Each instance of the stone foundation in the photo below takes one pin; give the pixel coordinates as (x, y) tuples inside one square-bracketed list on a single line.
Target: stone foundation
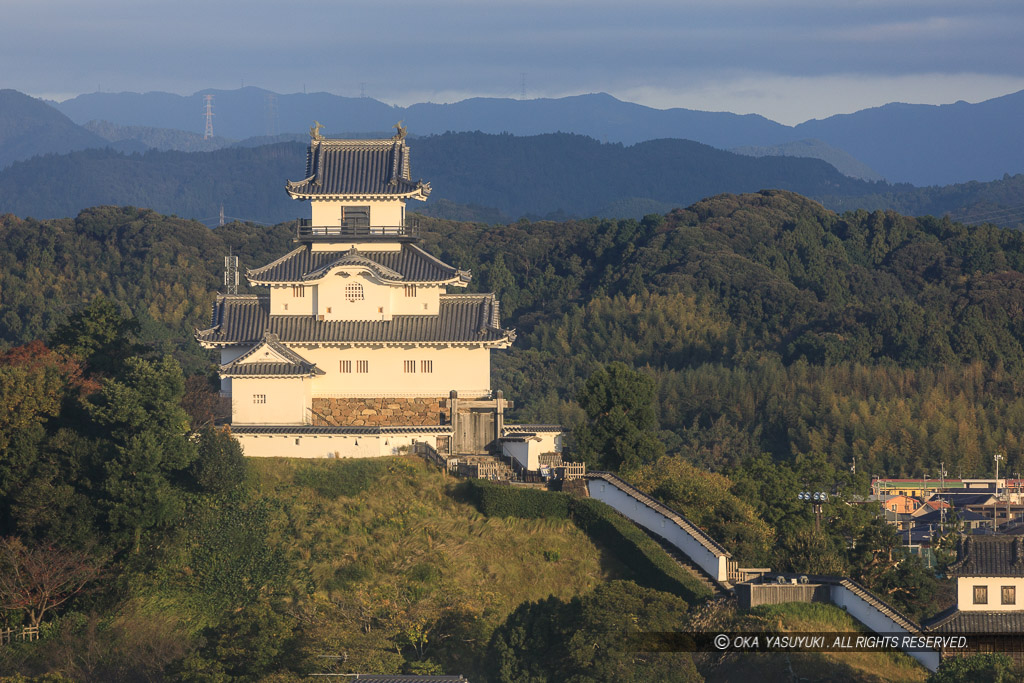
[(379, 412)]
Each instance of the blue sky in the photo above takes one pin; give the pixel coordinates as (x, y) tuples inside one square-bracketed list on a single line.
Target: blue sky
[(790, 60)]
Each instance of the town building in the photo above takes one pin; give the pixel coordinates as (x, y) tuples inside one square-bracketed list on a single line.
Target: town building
[(357, 345), (989, 606)]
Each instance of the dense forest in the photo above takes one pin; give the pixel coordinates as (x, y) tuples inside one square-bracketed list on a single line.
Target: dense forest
[(722, 357)]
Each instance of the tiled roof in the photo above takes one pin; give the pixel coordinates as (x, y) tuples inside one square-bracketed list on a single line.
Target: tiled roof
[(466, 318), (292, 365), (974, 622), (325, 430), (357, 168), (410, 264), (989, 556)]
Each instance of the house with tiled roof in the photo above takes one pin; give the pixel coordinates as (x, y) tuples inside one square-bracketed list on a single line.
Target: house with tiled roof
[(356, 345), (989, 609)]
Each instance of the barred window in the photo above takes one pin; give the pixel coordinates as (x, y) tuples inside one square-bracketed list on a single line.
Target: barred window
[(410, 290), (346, 366), (298, 291), (354, 292), (259, 398), (426, 366), (362, 366), (410, 366)]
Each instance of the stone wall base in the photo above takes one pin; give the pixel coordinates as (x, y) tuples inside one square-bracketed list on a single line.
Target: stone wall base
[(379, 412)]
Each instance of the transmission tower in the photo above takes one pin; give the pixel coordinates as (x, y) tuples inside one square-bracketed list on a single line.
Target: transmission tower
[(208, 111), (271, 111), (221, 215), (231, 274)]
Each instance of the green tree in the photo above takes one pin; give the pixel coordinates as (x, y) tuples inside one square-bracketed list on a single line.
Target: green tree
[(585, 640), (985, 668), (621, 426), (219, 465), (100, 334), (145, 450)]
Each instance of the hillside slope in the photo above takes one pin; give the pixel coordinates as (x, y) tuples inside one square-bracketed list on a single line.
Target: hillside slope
[(30, 127)]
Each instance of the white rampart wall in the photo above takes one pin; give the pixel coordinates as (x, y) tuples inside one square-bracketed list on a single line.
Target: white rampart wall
[(649, 518), (326, 445), (868, 614)]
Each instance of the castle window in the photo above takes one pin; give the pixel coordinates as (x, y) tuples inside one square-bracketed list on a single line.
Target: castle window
[(346, 366), (410, 366), (410, 290), (1009, 595), (362, 366), (354, 292), (426, 366), (981, 595), (355, 216), (298, 291), (259, 398)]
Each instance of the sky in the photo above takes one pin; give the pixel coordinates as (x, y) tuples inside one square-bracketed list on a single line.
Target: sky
[(789, 60)]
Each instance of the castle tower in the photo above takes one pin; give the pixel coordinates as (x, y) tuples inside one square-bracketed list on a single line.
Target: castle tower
[(357, 347)]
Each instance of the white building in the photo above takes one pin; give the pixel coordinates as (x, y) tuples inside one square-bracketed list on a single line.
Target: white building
[(357, 348)]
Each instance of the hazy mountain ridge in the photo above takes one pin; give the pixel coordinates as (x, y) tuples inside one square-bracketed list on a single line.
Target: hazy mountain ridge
[(919, 144), (816, 149), (554, 175), (29, 127)]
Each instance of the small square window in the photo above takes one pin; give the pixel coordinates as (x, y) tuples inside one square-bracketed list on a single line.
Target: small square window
[(259, 398), (981, 595), (328, 309)]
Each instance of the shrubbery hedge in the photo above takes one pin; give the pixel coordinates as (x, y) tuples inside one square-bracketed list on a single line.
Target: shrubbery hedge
[(650, 564)]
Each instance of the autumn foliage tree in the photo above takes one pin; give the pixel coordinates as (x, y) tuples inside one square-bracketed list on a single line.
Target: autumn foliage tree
[(38, 579)]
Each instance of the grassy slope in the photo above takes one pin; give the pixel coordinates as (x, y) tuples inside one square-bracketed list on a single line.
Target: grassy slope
[(402, 556), (798, 617)]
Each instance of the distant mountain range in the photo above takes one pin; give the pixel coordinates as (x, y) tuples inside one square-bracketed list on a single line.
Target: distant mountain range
[(919, 144), (505, 176), (490, 178)]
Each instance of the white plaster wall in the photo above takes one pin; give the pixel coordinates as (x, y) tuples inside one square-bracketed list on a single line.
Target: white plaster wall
[(520, 450), (382, 213), (427, 300), (866, 614), (330, 301), (466, 370), (342, 247), (228, 354), (284, 302), (639, 512), (326, 445), (287, 400), (965, 593)]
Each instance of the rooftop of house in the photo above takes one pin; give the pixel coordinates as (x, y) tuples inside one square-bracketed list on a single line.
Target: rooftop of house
[(994, 555), (959, 622), (357, 168), (462, 318)]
